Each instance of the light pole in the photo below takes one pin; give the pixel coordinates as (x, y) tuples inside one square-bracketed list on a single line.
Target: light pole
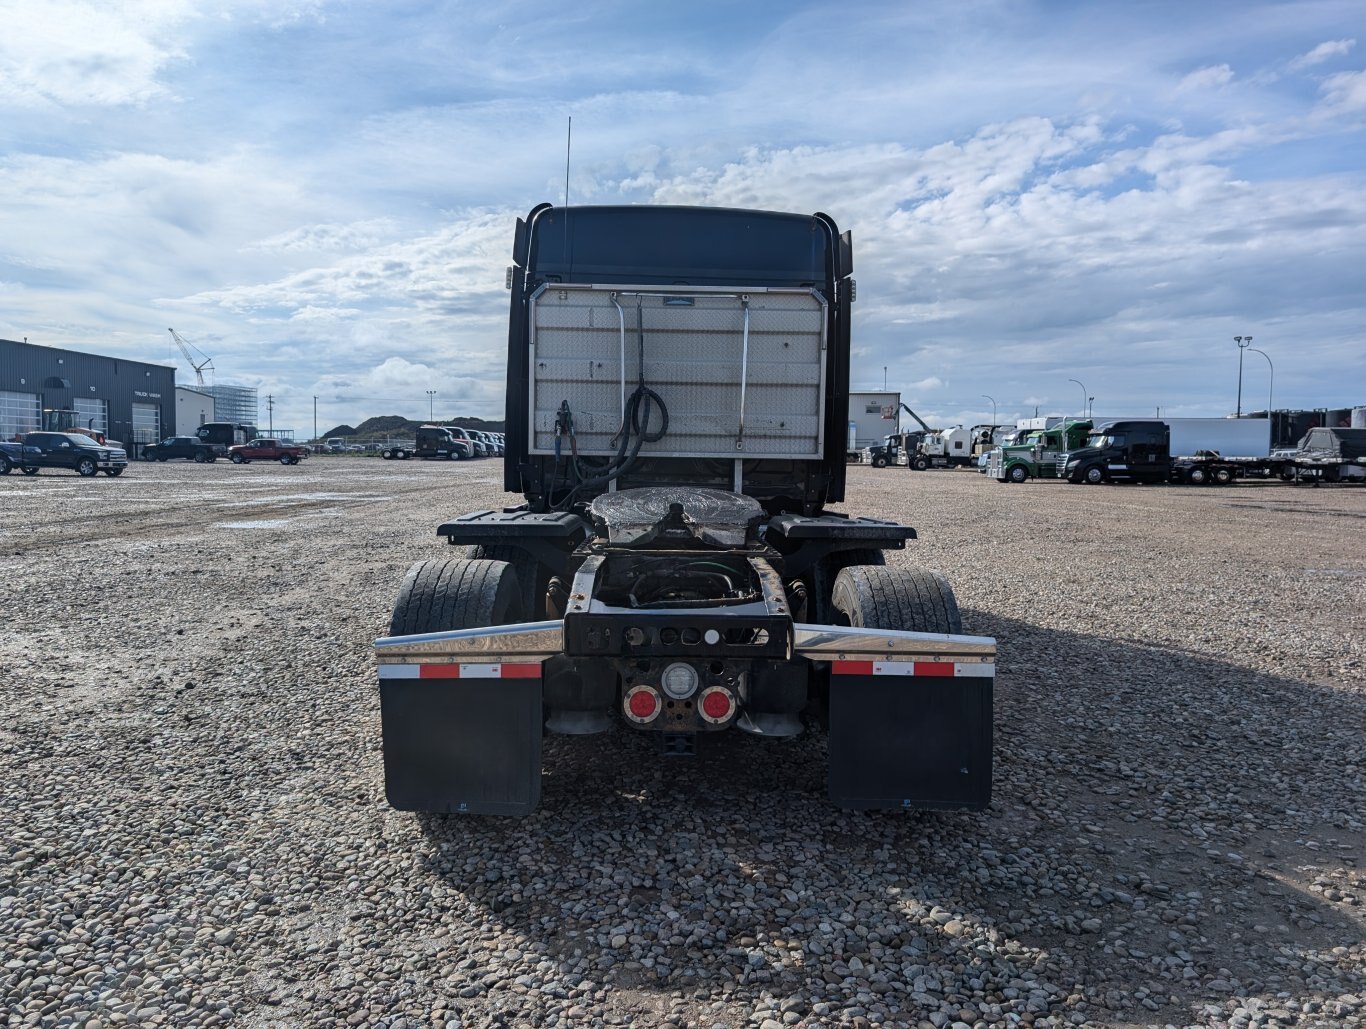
[(431, 405), (1083, 395), (315, 419), (1090, 402), (1243, 343), (1272, 383), (993, 409)]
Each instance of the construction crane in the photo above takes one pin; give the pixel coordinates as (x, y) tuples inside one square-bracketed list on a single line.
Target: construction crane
[(185, 349)]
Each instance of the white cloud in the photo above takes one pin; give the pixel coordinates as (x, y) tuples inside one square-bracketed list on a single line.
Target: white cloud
[(1345, 93), (1206, 78), (1323, 52)]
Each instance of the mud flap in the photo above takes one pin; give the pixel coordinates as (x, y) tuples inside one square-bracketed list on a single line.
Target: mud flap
[(461, 743), (910, 740)]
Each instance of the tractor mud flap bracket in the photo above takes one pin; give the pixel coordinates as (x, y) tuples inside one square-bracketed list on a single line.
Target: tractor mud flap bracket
[(910, 740), (462, 738)]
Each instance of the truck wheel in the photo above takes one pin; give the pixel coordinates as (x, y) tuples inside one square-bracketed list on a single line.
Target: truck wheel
[(113, 473), (162, 458), (914, 600), (1223, 476), (87, 467), (5, 465), (920, 463), (1094, 475), (30, 471), (238, 459), (1017, 473), (531, 584), (286, 459), (402, 455), (879, 462), (147, 455), (822, 578), (199, 457), (438, 596), (1197, 476)]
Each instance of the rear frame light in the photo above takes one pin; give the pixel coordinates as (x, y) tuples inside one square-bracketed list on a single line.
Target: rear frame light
[(716, 705), (633, 704)]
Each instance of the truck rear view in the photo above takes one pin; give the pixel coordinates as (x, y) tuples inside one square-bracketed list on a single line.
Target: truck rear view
[(677, 388)]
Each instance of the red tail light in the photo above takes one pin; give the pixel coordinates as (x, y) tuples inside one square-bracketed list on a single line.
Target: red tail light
[(642, 704), (716, 704)]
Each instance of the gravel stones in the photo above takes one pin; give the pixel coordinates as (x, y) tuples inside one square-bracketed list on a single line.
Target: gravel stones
[(193, 829)]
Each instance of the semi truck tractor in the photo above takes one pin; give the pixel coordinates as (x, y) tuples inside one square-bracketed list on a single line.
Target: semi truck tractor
[(677, 399), (1037, 455), (1142, 450)]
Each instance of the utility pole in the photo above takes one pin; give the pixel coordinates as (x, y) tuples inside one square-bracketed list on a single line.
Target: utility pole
[(431, 405), (270, 410), (315, 419)]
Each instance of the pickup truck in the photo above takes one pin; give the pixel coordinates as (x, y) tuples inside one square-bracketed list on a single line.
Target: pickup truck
[(187, 447), (266, 449), (71, 450)]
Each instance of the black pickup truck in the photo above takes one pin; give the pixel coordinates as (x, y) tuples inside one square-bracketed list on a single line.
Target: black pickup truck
[(189, 448), (81, 454)]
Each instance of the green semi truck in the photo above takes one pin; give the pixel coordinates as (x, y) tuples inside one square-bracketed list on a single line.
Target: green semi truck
[(1037, 455)]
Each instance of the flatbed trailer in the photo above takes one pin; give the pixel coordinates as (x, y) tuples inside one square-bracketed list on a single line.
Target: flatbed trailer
[(676, 425)]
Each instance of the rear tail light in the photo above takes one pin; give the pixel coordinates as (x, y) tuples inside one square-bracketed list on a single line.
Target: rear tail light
[(716, 705), (642, 704)]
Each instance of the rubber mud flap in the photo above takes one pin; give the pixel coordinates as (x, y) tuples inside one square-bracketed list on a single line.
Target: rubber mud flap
[(899, 741), (466, 746)]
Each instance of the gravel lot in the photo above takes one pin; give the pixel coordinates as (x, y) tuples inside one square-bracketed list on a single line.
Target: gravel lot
[(193, 829)]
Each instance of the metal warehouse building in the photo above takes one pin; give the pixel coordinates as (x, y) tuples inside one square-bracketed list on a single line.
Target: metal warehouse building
[(130, 401)]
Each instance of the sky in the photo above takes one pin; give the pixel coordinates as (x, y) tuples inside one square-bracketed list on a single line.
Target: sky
[(321, 196)]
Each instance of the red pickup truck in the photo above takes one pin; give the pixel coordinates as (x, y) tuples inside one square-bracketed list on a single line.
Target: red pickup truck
[(266, 449)]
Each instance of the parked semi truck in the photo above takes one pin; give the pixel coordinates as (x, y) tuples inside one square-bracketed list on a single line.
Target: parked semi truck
[(676, 425), (951, 448), (1142, 450), (1036, 456)]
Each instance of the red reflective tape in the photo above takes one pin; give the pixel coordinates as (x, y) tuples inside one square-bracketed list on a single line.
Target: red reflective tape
[(944, 668), (439, 672), (522, 671), (852, 667)]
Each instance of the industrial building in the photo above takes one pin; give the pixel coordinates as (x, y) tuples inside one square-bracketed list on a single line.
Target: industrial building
[(236, 404), (129, 401)]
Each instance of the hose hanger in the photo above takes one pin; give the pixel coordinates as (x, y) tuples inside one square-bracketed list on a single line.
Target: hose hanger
[(621, 321)]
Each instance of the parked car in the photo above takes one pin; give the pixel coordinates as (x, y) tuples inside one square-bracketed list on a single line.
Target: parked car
[(188, 448), (267, 449), (80, 453)]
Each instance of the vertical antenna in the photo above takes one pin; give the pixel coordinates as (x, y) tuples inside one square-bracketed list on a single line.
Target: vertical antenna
[(568, 141)]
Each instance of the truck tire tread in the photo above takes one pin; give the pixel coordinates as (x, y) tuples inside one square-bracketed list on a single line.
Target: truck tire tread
[(915, 599), (527, 568), (454, 593)]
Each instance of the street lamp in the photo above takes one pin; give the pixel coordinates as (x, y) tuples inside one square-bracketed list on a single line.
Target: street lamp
[(1083, 395), (1090, 402), (1243, 343), (431, 405), (993, 408), (1272, 383)]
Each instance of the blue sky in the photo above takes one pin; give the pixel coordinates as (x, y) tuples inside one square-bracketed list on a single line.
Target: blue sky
[(322, 195)]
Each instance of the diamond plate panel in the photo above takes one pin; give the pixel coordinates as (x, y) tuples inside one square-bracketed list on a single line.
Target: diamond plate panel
[(694, 355)]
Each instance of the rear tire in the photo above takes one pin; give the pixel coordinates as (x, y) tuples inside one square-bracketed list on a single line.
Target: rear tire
[(1197, 476), (199, 457), (531, 582), (913, 600), (5, 465), (238, 459), (1223, 476), (30, 471), (438, 596), (820, 609)]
